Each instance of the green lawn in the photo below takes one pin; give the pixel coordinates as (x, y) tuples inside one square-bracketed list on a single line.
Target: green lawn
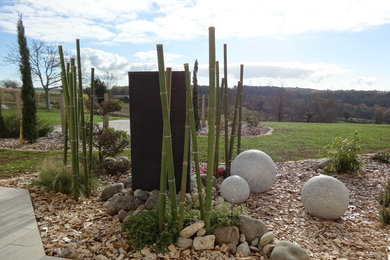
[(296, 141), (289, 141), (53, 116), (15, 163)]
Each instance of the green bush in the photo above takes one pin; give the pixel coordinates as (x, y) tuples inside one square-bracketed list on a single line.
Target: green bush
[(383, 156), (344, 154), (53, 176), (384, 201), (12, 127), (142, 230), (108, 141)]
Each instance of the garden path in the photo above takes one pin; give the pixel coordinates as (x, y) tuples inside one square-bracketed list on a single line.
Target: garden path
[(19, 235)]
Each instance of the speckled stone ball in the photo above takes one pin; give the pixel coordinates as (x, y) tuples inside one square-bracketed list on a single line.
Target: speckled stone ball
[(325, 197), (235, 189), (257, 168)]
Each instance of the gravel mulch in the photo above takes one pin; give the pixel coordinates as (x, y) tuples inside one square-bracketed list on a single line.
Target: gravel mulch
[(83, 229)]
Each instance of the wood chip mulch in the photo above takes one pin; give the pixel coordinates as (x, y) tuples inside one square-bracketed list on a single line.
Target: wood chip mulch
[(83, 230)]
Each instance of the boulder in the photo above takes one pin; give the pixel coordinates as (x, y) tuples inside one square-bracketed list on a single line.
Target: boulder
[(257, 168), (127, 182), (201, 232), (235, 189), (243, 249), (192, 229), (252, 228), (141, 194), (110, 190), (267, 238), (122, 159), (203, 243), (227, 235), (288, 250), (184, 243), (153, 200), (124, 202), (122, 214), (325, 197)]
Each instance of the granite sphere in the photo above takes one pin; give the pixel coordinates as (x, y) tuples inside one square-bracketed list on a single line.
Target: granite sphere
[(235, 189), (325, 197), (257, 168)]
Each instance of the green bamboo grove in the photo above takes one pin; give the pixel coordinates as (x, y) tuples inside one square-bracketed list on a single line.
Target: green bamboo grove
[(74, 112)]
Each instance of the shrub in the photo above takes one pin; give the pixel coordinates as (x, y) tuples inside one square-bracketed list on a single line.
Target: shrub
[(344, 153), (142, 230), (12, 127), (384, 201), (53, 176), (383, 156), (108, 141), (253, 117)]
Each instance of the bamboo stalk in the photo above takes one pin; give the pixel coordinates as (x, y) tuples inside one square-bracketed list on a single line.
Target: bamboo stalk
[(227, 165), (66, 104), (191, 114), (211, 122), (82, 122), (167, 133), (92, 101), (218, 119), (163, 167), (240, 111), (184, 169), (234, 123)]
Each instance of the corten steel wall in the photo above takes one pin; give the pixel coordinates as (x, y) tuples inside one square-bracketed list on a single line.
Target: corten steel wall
[(146, 126)]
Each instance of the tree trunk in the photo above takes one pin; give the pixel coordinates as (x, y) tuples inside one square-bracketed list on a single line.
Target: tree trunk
[(47, 99)]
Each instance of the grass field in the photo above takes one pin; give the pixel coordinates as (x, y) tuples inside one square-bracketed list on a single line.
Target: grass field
[(53, 116), (289, 141), (296, 141)]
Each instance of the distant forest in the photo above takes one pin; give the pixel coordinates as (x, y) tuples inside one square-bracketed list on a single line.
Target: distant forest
[(309, 105), (304, 105)]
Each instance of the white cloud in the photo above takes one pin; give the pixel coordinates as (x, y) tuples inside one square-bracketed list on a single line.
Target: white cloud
[(105, 62), (362, 82), (141, 21)]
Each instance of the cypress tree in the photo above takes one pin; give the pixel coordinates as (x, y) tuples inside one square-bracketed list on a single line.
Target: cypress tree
[(195, 98), (29, 111)]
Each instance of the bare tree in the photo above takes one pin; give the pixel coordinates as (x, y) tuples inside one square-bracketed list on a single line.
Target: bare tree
[(10, 83), (110, 80), (45, 65)]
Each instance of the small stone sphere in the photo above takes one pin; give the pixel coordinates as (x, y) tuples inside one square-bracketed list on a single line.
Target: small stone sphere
[(257, 168), (235, 189), (325, 197)]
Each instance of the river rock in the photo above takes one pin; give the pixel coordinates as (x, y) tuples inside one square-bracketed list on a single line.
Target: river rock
[(243, 249), (227, 235), (257, 168), (203, 243), (251, 227), (267, 238), (110, 190), (124, 202), (127, 182), (153, 200), (288, 250), (141, 194), (325, 197), (122, 214), (184, 243), (235, 189), (192, 229)]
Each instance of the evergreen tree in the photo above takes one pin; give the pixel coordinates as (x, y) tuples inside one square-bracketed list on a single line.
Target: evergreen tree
[(29, 112), (195, 98)]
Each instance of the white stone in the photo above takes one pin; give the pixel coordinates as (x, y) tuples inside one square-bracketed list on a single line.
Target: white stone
[(235, 189), (192, 229), (203, 243), (257, 168), (325, 197)]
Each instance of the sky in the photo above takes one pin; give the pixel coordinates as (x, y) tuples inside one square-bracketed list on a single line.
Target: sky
[(331, 44)]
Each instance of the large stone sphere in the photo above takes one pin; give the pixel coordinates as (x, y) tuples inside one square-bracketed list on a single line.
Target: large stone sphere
[(325, 197), (257, 168), (235, 189)]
